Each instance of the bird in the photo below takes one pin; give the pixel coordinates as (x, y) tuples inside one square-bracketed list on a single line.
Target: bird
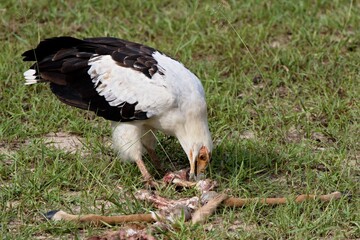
[(139, 89)]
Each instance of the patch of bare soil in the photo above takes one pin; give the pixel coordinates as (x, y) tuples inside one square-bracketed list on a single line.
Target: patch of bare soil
[(354, 160), (61, 140), (321, 138), (294, 135), (233, 228), (9, 148), (247, 134), (280, 41), (79, 235), (65, 141)]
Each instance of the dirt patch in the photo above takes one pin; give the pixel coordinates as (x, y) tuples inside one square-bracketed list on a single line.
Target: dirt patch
[(7, 152), (65, 141), (321, 138), (232, 228), (294, 135), (10, 148), (354, 160), (61, 140), (81, 234), (247, 134), (280, 41)]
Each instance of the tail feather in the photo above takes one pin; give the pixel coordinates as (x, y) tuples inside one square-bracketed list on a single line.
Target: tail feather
[(49, 46), (31, 77)]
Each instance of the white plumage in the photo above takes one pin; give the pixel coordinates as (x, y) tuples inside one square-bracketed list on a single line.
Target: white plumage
[(140, 89), (118, 84)]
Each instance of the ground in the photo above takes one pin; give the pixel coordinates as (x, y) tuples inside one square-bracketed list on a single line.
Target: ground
[(282, 86)]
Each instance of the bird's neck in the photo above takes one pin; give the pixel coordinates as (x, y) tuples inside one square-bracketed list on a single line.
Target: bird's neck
[(193, 135)]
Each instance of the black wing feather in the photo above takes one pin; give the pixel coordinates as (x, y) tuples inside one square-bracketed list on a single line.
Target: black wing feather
[(63, 61)]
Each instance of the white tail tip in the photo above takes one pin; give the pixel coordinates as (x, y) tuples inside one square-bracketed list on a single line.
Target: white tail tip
[(30, 77)]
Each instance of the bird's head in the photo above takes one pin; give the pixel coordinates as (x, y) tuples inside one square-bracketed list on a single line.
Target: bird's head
[(199, 160), (194, 135)]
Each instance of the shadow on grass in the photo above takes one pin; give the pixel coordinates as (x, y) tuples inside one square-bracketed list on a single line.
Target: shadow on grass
[(247, 157), (243, 159)]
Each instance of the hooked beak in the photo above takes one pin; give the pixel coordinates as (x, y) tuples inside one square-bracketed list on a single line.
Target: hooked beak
[(198, 166)]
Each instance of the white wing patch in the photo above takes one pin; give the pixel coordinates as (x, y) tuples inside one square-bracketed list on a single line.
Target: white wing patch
[(179, 77), (120, 84)]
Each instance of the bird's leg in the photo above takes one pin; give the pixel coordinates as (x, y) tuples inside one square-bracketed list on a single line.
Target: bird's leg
[(155, 159), (149, 142), (145, 173)]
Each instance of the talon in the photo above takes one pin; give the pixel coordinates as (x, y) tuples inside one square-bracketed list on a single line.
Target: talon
[(152, 184), (192, 177), (200, 176)]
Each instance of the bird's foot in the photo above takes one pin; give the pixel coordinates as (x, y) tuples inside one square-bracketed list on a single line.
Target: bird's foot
[(150, 183)]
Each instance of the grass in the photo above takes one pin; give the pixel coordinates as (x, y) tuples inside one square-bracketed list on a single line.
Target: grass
[(282, 85)]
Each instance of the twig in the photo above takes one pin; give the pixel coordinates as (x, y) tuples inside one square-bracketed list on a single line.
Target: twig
[(239, 202)]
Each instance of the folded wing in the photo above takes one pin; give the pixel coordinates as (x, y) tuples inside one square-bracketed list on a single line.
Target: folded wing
[(117, 79)]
